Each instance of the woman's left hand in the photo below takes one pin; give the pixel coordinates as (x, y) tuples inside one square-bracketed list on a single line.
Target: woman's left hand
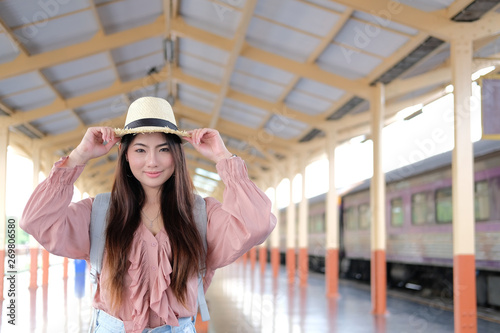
[(208, 142)]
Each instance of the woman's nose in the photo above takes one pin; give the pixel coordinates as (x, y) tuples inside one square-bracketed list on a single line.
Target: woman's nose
[(152, 159)]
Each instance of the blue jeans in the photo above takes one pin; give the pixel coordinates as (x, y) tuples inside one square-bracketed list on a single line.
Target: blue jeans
[(105, 323)]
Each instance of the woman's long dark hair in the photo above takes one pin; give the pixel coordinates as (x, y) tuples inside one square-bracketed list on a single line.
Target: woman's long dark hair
[(124, 217)]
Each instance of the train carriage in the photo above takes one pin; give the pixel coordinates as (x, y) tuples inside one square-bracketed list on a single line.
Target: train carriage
[(418, 224)]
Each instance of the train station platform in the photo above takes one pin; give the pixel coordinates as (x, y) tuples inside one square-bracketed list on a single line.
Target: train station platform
[(240, 299)]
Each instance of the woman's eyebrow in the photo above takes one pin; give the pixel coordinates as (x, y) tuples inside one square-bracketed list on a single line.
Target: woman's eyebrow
[(144, 145)]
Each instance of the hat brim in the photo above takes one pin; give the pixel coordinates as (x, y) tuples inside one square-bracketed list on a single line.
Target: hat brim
[(119, 132)]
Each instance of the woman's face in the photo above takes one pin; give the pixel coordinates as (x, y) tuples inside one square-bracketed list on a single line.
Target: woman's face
[(150, 160)]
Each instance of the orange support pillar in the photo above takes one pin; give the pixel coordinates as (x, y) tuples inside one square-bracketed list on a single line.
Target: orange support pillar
[(201, 326), (262, 258), (303, 230), (253, 257), (65, 268), (33, 267), (332, 272), (377, 202), (45, 267), (332, 222), (465, 299), (290, 264), (244, 258), (291, 229), (378, 277), (464, 278), (275, 261), (303, 266)]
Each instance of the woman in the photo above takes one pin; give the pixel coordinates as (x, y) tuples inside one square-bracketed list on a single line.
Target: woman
[(153, 250)]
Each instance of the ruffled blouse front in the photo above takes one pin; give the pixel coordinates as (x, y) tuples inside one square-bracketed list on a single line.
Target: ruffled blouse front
[(242, 221), (146, 284)]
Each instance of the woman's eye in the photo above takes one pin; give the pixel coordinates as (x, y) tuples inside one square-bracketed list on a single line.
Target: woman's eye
[(165, 150), (140, 150)]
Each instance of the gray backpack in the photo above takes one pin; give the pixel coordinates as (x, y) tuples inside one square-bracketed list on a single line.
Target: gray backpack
[(98, 238)]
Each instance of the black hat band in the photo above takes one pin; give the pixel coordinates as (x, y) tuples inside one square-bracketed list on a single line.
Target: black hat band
[(151, 122)]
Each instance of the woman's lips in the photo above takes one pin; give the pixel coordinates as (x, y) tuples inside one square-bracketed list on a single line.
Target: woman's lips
[(152, 174)]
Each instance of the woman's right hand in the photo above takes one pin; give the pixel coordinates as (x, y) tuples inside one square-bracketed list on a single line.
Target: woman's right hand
[(92, 145)]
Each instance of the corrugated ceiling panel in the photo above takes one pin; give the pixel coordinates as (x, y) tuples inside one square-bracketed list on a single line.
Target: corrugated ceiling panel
[(57, 123), (200, 68), (196, 98), (347, 62), (22, 12), (127, 14), (284, 127), (385, 23), (77, 67), (428, 5), (298, 15), (31, 99), (86, 83), (329, 4), (210, 16), (253, 86), (262, 70), (185, 88), (59, 32), (108, 108), (242, 114), (8, 50), (429, 63), (20, 83), (319, 89), (138, 49), (202, 50), (370, 38), (135, 69), (280, 40), (158, 90), (306, 103), (489, 49)]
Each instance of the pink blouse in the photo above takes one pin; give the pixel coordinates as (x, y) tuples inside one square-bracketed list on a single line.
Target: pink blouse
[(242, 221)]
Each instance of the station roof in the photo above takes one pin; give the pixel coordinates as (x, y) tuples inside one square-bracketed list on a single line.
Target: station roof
[(273, 76)]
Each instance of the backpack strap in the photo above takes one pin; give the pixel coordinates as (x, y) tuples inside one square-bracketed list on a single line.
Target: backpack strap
[(97, 242), (98, 239), (200, 218), (97, 236)]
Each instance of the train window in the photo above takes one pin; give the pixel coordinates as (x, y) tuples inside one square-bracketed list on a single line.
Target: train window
[(482, 201), (317, 223), (397, 217), (351, 218), (364, 216), (444, 209), (421, 208)]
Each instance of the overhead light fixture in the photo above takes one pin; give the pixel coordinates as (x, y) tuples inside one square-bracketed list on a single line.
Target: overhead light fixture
[(171, 99), (449, 89), (410, 112), (169, 49), (483, 71), (413, 115)]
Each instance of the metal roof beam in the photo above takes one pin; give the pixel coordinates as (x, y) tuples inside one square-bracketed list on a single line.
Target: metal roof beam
[(98, 43), (238, 43)]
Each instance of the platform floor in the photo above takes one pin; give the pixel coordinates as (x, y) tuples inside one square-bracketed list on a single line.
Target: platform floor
[(240, 300)]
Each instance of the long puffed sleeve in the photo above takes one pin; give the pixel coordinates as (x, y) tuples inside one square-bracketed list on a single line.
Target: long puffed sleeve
[(60, 226), (243, 220)]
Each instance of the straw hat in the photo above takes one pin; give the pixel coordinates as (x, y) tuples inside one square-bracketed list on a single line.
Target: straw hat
[(150, 115)]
